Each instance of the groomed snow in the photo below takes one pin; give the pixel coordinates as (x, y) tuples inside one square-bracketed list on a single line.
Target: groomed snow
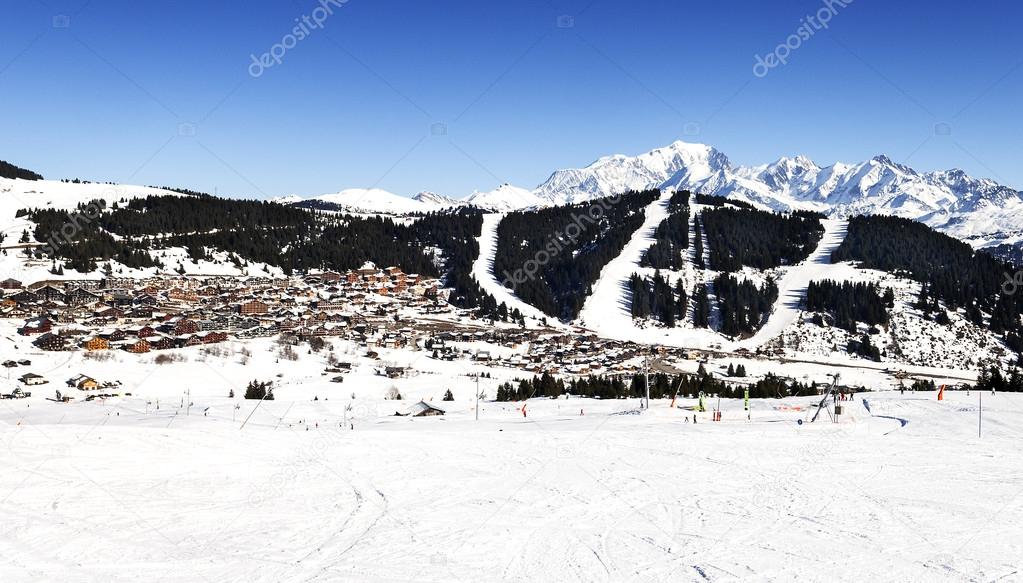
[(793, 285), (608, 312), (577, 491), (483, 272)]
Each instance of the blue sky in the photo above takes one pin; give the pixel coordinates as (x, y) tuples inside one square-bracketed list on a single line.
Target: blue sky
[(161, 92)]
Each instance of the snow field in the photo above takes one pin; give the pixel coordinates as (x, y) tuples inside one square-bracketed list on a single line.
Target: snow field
[(553, 497)]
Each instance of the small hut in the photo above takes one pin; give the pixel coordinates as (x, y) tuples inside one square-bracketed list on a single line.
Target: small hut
[(424, 409)]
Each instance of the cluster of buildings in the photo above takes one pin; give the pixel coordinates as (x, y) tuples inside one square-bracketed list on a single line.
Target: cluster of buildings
[(558, 353), (372, 307), (165, 312)]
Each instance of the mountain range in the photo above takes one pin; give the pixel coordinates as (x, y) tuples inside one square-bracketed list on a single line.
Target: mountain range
[(977, 210)]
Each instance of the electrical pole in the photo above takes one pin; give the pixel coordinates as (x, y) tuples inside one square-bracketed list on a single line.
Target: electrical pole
[(646, 381), (477, 397)]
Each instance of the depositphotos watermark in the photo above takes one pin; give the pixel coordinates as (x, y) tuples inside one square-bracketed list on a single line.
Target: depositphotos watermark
[(76, 222), (557, 243), (808, 27), (1012, 283), (306, 25)]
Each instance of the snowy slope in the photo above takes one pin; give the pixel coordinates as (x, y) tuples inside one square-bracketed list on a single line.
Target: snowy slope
[(376, 200), (42, 194), (792, 287), (483, 272), (437, 200), (505, 198), (146, 488), (607, 310)]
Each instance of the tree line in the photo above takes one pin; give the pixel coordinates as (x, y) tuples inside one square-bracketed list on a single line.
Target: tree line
[(849, 302), (662, 386), (656, 298), (551, 257), (8, 170), (758, 239), (743, 305), (948, 269), (293, 239)]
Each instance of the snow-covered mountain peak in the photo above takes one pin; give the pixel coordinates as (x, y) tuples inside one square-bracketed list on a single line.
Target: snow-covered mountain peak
[(437, 200), (504, 198), (675, 163), (977, 210), (375, 200)]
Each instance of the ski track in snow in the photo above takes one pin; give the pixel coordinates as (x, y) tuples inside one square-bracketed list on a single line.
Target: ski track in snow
[(793, 285), (557, 497), (608, 311), (483, 272), (714, 315), (608, 305)]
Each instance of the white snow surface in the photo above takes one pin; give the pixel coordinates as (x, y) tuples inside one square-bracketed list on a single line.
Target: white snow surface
[(505, 198), (793, 285), (377, 200), (20, 194), (483, 272), (608, 307), (607, 311), (146, 487)]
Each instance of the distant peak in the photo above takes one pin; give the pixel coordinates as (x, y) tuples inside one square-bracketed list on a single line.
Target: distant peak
[(798, 161), (684, 145)]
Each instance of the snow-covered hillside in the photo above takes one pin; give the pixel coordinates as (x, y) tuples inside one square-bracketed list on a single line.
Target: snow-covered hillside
[(376, 200), (180, 482), (16, 195), (483, 271), (505, 198)]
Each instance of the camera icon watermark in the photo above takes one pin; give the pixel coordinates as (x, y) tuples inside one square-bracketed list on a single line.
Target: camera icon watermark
[(942, 129), (61, 21), (187, 130), (438, 129), (691, 128), (566, 21)]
